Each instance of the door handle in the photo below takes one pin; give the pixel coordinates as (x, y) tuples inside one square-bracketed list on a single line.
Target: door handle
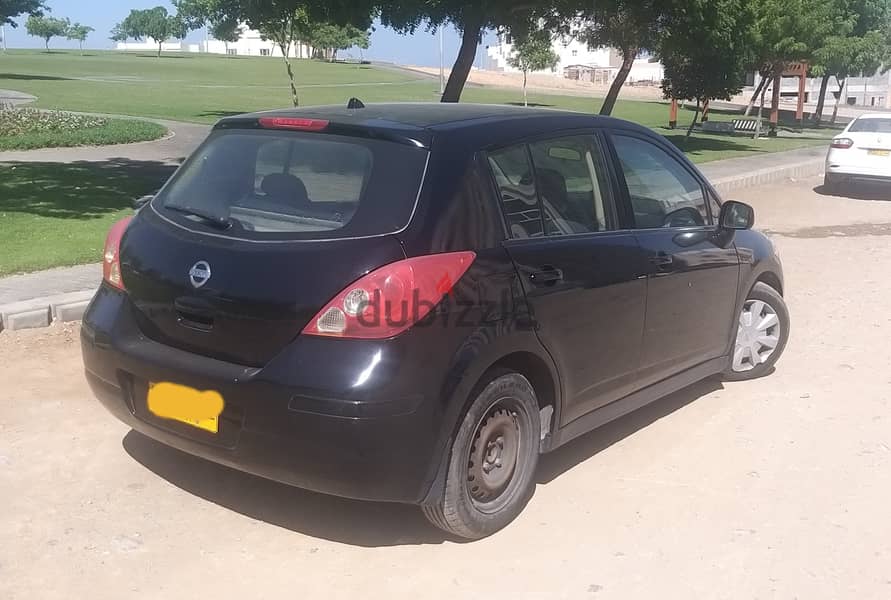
[(546, 276), (661, 259)]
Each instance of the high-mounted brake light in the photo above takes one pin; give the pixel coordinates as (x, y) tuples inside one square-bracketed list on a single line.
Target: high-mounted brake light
[(842, 143), (293, 123), (111, 258), (391, 299)]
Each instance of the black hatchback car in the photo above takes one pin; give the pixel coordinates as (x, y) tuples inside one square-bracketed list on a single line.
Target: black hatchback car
[(411, 302)]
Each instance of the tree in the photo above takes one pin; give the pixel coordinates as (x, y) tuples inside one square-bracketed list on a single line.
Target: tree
[(46, 28), (227, 31), (533, 54), (285, 29), (79, 32), (861, 47), (285, 22), (10, 9), (629, 26), (788, 31), (330, 38), (470, 19), (154, 23), (705, 50)]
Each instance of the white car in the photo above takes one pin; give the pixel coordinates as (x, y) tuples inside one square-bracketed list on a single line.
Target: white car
[(862, 152)]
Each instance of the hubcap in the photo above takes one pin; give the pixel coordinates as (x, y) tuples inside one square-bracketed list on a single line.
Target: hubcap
[(757, 335), (493, 456)]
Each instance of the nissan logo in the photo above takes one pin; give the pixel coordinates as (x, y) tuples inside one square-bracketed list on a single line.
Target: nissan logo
[(199, 274)]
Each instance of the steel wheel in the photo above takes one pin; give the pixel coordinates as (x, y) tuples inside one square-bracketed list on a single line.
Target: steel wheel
[(493, 456), (757, 336)]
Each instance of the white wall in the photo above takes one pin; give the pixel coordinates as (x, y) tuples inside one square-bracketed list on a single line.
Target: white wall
[(250, 44), (573, 53), (150, 45)]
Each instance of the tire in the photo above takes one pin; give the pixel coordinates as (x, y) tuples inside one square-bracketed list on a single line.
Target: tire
[(748, 368), (504, 418)]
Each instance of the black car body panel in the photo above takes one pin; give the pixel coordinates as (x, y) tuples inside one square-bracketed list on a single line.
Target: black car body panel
[(584, 317)]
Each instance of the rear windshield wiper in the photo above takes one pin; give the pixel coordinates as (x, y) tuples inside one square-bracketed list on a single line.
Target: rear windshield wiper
[(218, 221)]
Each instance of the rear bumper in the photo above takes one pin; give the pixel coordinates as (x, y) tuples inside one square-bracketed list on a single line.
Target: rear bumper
[(843, 172), (362, 423)]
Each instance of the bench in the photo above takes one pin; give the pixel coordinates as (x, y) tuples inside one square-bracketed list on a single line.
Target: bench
[(737, 125), (745, 125)]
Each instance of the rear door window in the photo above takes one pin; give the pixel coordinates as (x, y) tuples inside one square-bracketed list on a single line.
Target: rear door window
[(572, 185), (287, 185)]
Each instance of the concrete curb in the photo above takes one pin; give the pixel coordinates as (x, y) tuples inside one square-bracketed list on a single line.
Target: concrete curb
[(41, 312), (798, 170)]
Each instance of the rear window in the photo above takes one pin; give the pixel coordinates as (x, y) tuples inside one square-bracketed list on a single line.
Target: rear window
[(290, 185), (871, 126)]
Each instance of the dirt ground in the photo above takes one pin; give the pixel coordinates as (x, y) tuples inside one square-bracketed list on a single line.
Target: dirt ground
[(551, 84), (776, 488)]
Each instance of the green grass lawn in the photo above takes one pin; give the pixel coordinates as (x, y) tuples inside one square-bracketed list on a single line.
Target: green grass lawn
[(203, 88), (53, 214)]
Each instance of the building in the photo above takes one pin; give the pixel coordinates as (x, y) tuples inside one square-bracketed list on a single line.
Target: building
[(865, 92), (250, 43), (577, 61)]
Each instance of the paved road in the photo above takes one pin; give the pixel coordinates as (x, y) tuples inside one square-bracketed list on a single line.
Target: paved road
[(776, 488)]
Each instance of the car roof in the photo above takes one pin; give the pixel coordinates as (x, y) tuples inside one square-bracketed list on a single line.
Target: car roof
[(419, 121), (422, 115)]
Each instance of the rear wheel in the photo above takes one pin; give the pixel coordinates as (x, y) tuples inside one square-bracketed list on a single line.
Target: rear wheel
[(761, 334), (493, 458)]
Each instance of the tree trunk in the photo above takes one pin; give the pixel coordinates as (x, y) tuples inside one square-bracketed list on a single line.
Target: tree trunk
[(159, 49), (286, 50), (821, 101), (841, 91), (46, 43), (471, 30), (525, 97), (628, 56), (81, 44), (334, 55), (758, 90), (693, 123)]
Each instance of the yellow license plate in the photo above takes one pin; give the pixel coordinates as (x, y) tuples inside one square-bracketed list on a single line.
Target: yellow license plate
[(879, 152), (187, 405)]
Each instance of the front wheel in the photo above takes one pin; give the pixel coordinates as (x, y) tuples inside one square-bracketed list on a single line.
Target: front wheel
[(761, 334), (493, 458)]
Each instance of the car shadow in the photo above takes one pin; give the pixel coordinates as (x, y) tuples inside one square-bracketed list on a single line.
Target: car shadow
[(564, 458), (858, 191), (366, 524)]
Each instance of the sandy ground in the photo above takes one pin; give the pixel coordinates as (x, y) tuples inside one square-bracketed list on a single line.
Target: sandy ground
[(551, 84), (776, 488)]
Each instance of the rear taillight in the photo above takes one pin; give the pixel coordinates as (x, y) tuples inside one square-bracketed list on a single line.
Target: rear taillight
[(111, 259), (392, 298), (293, 123), (842, 143)]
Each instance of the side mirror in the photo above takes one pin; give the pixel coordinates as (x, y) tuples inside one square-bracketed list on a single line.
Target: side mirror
[(140, 202), (736, 215)]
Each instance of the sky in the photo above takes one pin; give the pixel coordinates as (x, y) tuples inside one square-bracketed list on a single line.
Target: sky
[(422, 48)]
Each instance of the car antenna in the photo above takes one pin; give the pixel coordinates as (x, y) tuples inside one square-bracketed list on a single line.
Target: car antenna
[(355, 103)]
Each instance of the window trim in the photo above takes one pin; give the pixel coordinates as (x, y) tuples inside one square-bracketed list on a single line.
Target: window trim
[(679, 158), (609, 181)]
